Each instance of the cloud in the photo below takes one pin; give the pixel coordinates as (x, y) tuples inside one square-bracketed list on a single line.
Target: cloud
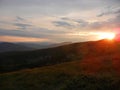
[(22, 25), (109, 25), (62, 24), (97, 25), (81, 22), (53, 35), (23, 33), (21, 39), (65, 21), (65, 18), (18, 18), (54, 7), (110, 11), (115, 21), (34, 32), (72, 15)]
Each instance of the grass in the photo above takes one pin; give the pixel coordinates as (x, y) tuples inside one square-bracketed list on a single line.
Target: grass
[(65, 76), (80, 66)]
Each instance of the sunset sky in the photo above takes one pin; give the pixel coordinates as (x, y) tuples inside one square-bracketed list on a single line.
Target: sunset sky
[(57, 20)]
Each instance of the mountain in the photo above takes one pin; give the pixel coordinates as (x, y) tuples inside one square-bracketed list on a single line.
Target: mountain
[(8, 47)]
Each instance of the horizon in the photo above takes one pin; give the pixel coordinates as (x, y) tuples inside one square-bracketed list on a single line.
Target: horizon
[(61, 41)]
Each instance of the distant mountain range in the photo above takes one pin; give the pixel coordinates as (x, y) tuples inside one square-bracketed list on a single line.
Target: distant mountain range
[(44, 44), (7, 47), (10, 47)]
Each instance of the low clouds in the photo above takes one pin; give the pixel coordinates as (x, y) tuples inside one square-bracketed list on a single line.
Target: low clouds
[(22, 39), (62, 24), (22, 25), (52, 7), (71, 26), (70, 23), (25, 33), (115, 21), (110, 11), (82, 23), (35, 33), (58, 19), (108, 25), (18, 18)]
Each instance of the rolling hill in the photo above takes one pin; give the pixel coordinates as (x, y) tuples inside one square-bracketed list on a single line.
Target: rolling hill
[(93, 65), (96, 50), (27, 46), (43, 45)]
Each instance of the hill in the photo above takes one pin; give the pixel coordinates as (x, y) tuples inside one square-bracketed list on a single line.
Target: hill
[(97, 50), (8, 47), (64, 76), (93, 65), (43, 45)]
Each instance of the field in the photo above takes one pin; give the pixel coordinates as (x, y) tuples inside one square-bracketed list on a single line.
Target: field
[(65, 76)]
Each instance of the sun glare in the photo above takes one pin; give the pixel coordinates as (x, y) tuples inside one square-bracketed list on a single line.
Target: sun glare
[(109, 36)]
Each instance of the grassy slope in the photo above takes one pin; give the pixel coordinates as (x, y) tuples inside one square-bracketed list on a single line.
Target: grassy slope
[(90, 66), (65, 76), (14, 61)]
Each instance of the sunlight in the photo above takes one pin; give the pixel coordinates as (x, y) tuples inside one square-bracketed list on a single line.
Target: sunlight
[(109, 36)]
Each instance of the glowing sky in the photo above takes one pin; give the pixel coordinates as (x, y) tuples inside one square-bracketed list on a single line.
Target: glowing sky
[(57, 20)]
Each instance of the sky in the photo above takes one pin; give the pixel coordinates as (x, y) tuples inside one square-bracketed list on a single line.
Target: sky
[(57, 20)]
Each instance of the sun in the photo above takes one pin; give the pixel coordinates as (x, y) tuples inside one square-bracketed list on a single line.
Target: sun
[(109, 36)]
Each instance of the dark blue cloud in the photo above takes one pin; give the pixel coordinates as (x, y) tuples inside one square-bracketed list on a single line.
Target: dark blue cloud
[(22, 25), (18, 18), (37, 33), (81, 22), (62, 24)]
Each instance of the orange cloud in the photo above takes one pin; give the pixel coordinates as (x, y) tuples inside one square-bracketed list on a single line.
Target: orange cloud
[(21, 39)]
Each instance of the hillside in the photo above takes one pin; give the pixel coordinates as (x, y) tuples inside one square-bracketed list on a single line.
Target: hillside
[(78, 51), (8, 47), (65, 76), (43, 45), (79, 66)]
